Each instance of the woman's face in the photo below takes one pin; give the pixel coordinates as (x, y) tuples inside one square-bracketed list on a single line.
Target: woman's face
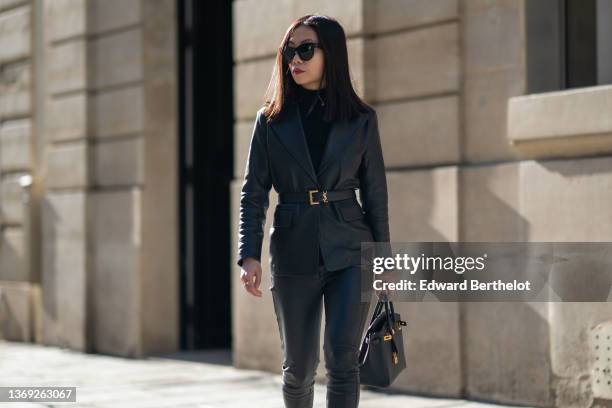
[(308, 74)]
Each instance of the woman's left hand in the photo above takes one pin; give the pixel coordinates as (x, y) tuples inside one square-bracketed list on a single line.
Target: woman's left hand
[(384, 292)]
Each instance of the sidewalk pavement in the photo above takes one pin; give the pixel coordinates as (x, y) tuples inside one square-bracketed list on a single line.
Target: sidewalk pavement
[(204, 380)]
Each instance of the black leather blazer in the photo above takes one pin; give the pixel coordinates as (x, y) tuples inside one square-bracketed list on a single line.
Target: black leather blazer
[(279, 156)]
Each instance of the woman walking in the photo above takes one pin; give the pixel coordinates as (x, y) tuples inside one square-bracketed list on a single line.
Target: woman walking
[(315, 141)]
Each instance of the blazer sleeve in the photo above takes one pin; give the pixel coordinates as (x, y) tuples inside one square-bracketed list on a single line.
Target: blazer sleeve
[(373, 183), (254, 195)]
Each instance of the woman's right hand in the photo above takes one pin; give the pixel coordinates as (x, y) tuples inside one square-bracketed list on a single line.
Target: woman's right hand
[(250, 276)]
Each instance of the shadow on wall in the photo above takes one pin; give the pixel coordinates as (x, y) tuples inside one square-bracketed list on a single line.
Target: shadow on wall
[(469, 349), (10, 329)]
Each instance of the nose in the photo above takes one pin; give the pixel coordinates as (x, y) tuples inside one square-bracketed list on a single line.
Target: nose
[(296, 55)]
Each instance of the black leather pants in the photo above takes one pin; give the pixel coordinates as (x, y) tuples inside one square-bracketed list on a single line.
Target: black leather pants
[(298, 307)]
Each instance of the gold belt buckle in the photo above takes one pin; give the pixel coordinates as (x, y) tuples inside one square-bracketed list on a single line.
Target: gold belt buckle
[(310, 192), (310, 196)]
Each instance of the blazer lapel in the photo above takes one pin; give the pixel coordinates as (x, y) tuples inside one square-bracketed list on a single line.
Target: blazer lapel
[(290, 132), (340, 135)]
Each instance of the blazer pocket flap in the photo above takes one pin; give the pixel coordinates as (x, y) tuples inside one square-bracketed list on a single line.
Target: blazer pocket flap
[(282, 218), (350, 213)]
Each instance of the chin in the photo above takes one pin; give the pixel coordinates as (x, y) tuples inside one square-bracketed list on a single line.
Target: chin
[(301, 81)]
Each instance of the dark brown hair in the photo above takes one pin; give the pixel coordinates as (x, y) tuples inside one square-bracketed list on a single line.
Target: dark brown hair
[(343, 103)]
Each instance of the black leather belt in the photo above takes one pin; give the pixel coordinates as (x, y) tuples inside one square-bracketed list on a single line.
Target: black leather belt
[(313, 197)]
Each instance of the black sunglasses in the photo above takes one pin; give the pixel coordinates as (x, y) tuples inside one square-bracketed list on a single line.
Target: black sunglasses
[(304, 50)]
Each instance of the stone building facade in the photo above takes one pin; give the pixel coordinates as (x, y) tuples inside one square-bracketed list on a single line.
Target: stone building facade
[(88, 110)]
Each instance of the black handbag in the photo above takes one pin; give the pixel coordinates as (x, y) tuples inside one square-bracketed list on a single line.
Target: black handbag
[(381, 355)]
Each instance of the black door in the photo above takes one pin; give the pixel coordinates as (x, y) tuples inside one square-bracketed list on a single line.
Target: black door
[(206, 163)]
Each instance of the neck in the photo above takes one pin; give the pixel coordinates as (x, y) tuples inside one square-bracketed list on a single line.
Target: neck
[(313, 86), (310, 99), (310, 93)]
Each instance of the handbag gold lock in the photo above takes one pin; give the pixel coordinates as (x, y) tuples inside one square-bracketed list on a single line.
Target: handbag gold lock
[(387, 337)]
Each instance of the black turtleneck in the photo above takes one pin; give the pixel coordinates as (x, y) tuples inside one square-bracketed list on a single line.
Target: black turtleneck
[(315, 129)]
